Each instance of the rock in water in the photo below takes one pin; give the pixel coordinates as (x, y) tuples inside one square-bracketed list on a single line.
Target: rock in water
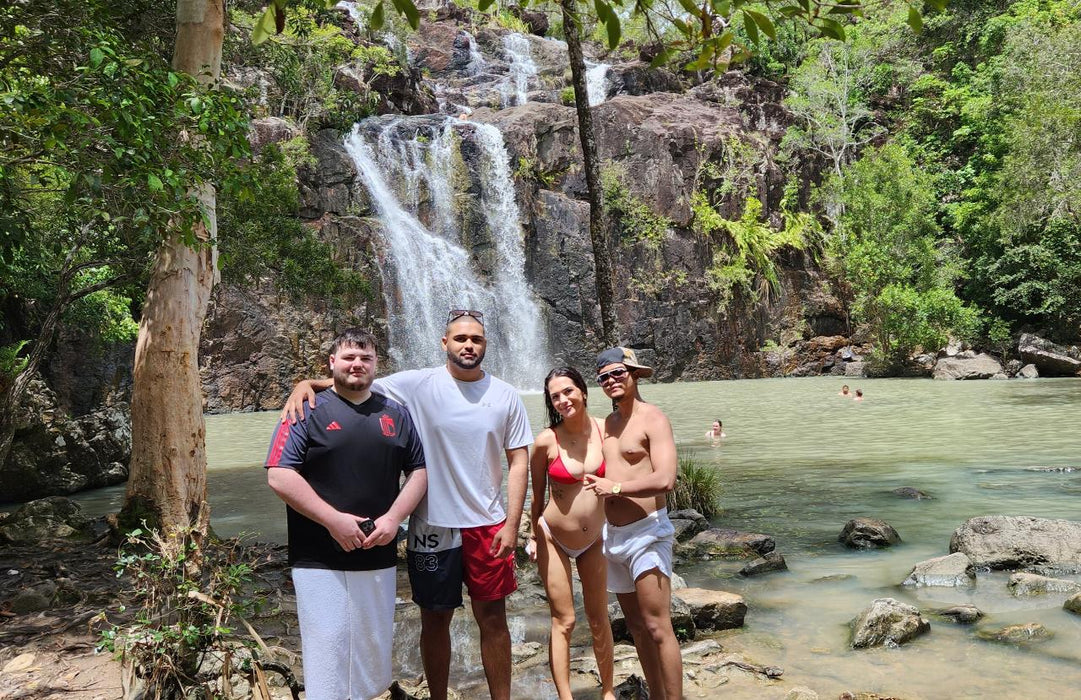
[(714, 610), (1033, 584), (723, 542), (1073, 604), (1017, 541), (964, 614), (913, 493), (868, 533), (887, 622), (950, 570), (1017, 634), (773, 561), (980, 366)]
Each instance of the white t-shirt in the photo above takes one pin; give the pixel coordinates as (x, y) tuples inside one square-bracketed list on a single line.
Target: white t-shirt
[(465, 428)]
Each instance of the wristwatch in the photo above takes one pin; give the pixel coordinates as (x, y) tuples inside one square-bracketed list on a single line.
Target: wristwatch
[(617, 488)]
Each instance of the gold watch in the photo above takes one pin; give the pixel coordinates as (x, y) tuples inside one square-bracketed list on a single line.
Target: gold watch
[(617, 488)]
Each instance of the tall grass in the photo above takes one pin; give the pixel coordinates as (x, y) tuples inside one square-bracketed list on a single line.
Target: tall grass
[(698, 486)]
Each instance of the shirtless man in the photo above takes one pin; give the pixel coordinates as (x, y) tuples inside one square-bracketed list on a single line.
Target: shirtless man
[(640, 454)]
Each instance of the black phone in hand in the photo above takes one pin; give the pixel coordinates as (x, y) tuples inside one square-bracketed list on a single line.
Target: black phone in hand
[(367, 527)]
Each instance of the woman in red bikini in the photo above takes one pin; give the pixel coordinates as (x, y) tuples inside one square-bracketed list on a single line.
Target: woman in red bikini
[(568, 526)]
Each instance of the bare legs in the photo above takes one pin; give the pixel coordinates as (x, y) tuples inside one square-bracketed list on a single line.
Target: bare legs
[(555, 571), (435, 650), (494, 647), (649, 619)]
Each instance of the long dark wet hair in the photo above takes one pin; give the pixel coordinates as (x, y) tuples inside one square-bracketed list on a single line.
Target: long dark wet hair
[(575, 376)]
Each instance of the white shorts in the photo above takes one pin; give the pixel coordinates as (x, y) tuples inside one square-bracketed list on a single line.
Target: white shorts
[(634, 549), (346, 624)]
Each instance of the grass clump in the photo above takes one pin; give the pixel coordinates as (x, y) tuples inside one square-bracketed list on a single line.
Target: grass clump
[(698, 486)]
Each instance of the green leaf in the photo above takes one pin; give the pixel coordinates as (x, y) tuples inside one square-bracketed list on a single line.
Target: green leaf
[(750, 27), (377, 18), (914, 19), (264, 26), (485, 4), (614, 30), (691, 8), (407, 8), (96, 57), (763, 23), (830, 28), (662, 58)]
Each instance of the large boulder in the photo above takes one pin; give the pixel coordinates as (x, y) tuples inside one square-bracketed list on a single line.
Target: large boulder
[(887, 622), (42, 520), (980, 366), (1051, 359), (1018, 541), (950, 570), (868, 533), (714, 610), (54, 453), (723, 542)]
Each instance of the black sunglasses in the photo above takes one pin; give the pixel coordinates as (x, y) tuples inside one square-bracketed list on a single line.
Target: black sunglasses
[(617, 374), (456, 314)]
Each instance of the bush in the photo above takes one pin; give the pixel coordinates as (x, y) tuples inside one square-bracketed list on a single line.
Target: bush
[(698, 486), (189, 600)]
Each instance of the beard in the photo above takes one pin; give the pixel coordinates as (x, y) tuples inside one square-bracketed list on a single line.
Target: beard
[(351, 382), (470, 363)]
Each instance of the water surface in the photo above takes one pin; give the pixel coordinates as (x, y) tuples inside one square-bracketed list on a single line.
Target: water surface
[(798, 462)]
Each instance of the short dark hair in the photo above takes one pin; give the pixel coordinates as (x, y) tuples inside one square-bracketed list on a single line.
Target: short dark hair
[(572, 374), (353, 337)]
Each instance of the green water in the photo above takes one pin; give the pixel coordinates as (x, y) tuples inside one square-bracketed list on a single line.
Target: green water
[(798, 462)]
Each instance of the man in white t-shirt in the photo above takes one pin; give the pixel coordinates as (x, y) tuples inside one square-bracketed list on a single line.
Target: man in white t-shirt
[(468, 421)]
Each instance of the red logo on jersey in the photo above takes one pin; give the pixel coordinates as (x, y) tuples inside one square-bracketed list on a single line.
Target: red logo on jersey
[(387, 424), (334, 425)]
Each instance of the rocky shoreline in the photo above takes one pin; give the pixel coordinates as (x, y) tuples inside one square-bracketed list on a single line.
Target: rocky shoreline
[(59, 591)]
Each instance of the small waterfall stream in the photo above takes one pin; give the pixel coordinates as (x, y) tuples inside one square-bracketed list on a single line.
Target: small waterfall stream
[(519, 55), (597, 82), (418, 176)]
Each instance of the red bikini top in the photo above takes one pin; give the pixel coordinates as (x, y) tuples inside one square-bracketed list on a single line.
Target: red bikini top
[(557, 471)]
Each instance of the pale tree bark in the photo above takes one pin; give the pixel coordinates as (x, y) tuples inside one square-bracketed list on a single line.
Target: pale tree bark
[(167, 481), (598, 221)]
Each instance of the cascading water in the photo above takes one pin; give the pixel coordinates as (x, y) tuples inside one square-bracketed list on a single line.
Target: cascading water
[(597, 82), (412, 167), (519, 56)]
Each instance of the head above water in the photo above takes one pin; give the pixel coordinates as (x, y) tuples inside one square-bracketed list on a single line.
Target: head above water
[(554, 418)]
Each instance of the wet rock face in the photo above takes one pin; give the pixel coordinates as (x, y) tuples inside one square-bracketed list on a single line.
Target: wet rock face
[(1028, 633), (951, 571), (55, 454), (1024, 584), (1014, 542), (868, 533), (723, 542), (772, 561), (887, 622), (962, 614)]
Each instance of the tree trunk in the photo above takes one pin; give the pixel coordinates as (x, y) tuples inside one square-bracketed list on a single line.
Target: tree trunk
[(598, 228), (167, 482)]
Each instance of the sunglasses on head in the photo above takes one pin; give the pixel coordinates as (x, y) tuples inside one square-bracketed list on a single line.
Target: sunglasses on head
[(456, 314), (617, 374)]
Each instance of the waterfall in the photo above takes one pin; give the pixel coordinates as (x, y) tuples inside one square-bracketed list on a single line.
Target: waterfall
[(476, 59), (519, 55), (413, 168), (597, 82)]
